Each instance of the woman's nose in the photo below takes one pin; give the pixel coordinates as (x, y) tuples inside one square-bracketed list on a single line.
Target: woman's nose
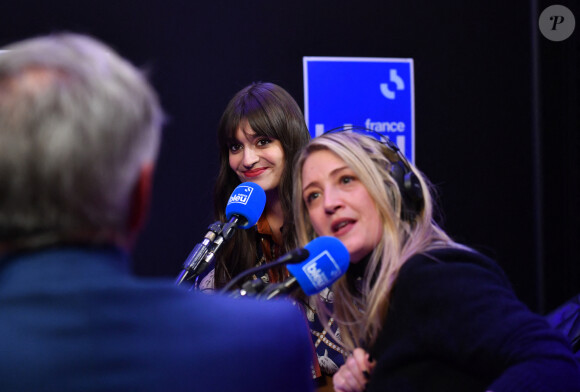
[(250, 157), (332, 201)]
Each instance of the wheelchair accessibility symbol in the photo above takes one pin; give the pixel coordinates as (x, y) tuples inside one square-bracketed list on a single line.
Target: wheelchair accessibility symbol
[(397, 80)]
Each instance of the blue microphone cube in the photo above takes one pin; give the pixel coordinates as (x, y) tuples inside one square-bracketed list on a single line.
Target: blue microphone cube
[(329, 259), (248, 201)]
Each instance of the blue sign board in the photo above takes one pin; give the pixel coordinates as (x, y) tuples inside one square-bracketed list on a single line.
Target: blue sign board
[(374, 93)]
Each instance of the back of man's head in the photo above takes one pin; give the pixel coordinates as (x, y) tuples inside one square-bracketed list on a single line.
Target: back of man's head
[(77, 126)]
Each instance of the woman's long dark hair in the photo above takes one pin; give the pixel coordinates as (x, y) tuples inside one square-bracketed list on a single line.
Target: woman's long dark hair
[(271, 112)]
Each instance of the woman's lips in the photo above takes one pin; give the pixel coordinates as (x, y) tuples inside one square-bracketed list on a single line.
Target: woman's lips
[(342, 227), (255, 172)]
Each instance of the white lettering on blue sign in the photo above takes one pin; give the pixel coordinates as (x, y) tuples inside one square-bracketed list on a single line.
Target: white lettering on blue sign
[(373, 93), (385, 126)]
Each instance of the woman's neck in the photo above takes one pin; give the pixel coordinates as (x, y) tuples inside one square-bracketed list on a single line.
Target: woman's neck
[(274, 214)]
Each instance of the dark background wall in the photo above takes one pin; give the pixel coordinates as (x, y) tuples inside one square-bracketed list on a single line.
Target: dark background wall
[(496, 109)]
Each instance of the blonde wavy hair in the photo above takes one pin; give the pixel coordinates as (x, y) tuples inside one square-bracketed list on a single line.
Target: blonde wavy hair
[(361, 312)]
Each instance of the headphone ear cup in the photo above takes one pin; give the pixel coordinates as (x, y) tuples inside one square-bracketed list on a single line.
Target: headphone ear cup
[(397, 172), (412, 187)]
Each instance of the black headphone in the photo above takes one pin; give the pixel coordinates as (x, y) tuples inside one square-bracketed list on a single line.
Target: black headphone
[(400, 170)]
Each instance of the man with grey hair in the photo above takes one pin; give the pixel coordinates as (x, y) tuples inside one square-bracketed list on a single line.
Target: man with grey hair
[(79, 134)]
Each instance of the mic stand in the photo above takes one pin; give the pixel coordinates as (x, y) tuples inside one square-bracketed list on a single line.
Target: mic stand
[(258, 289), (251, 288), (191, 267), (225, 233), (251, 271), (286, 287)]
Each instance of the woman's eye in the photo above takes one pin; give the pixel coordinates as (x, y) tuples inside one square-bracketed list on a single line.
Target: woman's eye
[(346, 179), (235, 147), (312, 196), (263, 142)]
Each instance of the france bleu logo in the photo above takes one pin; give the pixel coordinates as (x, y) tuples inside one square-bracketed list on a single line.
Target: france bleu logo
[(241, 195)]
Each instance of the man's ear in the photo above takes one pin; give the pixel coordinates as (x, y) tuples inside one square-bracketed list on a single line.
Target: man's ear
[(140, 201)]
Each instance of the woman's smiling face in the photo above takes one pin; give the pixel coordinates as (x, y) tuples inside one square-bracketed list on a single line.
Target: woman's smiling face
[(257, 159)]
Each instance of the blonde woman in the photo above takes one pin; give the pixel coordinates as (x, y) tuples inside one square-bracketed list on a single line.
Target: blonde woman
[(417, 310)]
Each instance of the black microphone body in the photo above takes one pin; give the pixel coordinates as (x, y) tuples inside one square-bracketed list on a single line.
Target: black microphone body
[(295, 256), (226, 233), (209, 249), (191, 265), (251, 288), (286, 287)]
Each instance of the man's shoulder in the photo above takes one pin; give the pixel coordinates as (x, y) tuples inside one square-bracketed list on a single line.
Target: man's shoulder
[(276, 314)]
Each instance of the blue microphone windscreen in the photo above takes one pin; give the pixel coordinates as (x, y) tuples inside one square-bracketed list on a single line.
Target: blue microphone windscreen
[(247, 200), (328, 261)]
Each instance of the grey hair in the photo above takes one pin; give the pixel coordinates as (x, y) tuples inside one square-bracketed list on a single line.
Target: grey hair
[(77, 124)]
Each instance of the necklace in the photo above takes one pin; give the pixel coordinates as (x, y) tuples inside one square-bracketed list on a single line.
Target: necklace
[(321, 337)]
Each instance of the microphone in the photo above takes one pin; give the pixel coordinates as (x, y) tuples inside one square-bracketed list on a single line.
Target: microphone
[(329, 259), (294, 256), (192, 262), (244, 208)]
